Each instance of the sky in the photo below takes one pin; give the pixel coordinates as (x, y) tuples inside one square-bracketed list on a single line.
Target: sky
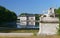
[(29, 6)]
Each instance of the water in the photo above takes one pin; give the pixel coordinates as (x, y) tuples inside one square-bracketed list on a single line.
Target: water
[(27, 26)]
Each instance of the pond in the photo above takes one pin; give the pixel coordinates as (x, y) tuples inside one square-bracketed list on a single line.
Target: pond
[(27, 26), (18, 25)]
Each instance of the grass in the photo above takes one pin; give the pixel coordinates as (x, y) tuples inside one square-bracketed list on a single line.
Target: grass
[(18, 31), (24, 31), (47, 36)]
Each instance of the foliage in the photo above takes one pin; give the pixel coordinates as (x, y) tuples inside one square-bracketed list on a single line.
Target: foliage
[(57, 11), (37, 16), (6, 16), (23, 14)]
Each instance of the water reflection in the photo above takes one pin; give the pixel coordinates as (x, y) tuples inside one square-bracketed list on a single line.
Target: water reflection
[(28, 25)]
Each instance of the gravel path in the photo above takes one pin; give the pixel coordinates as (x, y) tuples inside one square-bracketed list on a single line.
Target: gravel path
[(15, 34)]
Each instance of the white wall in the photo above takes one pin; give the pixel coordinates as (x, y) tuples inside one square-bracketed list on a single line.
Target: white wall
[(31, 23), (49, 19), (48, 28), (23, 18), (31, 18), (18, 17), (23, 23)]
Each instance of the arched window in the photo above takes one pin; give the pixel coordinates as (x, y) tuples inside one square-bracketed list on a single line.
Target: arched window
[(44, 16), (51, 16)]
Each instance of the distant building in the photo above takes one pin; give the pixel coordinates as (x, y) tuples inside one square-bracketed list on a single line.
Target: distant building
[(31, 19), (26, 19), (22, 20)]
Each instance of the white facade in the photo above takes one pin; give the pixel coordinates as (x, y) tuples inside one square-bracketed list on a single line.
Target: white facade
[(31, 20), (23, 20), (31, 23), (49, 19), (48, 28), (23, 23), (50, 11), (48, 24)]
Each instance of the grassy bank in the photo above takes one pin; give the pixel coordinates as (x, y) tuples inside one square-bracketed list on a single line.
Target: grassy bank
[(14, 30), (24, 31)]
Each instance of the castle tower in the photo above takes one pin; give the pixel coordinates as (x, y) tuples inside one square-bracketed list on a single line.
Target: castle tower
[(51, 12), (47, 23)]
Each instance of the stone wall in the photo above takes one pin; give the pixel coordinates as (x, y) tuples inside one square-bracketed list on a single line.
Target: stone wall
[(48, 28)]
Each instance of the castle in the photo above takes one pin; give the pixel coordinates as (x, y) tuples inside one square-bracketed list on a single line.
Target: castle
[(48, 23)]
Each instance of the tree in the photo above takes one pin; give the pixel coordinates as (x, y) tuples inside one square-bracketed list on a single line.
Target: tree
[(6, 16), (23, 14), (37, 16), (57, 11)]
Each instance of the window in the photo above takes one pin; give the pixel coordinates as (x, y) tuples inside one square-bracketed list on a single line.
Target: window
[(44, 16), (31, 18), (51, 16), (18, 20)]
